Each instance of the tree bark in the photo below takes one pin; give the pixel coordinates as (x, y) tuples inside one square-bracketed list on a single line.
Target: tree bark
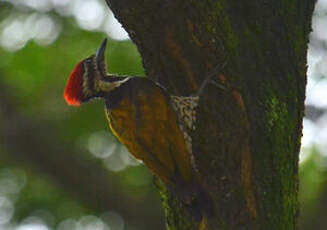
[(247, 138)]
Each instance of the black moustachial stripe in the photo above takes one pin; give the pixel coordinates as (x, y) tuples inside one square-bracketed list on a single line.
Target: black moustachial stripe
[(91, 72)]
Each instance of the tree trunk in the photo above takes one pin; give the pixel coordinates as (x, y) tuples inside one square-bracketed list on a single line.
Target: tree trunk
[(247, 138)]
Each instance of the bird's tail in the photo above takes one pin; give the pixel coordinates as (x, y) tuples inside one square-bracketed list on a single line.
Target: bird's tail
[(204, 224), (195, 199), (200, 207)]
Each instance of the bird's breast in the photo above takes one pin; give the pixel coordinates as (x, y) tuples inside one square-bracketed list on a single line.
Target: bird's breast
[(121, 119)]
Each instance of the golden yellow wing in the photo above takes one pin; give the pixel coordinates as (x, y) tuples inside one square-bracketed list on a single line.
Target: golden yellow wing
[(147, 125)]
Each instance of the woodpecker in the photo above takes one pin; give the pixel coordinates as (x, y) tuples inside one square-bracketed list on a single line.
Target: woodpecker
[(153, 125)]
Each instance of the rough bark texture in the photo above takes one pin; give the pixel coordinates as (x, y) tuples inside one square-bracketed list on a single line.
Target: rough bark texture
[(247, 137)]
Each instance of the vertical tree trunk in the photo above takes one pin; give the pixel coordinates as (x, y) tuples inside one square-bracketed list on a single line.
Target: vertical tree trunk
[(247, 137)]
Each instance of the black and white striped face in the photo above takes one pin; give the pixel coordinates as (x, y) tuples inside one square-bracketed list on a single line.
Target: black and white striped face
[(89, 79), (81, 85), (90, 76)]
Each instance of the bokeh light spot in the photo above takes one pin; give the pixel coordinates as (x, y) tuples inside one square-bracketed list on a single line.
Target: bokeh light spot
[(114, 29), (114, 220), (6, 210), (32, 223), (89, 14), (102, 144)]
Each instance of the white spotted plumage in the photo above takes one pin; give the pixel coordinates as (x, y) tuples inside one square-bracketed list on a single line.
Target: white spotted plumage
[(185, 108)]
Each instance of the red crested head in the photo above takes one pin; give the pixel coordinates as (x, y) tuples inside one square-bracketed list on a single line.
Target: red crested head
[(74, 88), (86, 80)]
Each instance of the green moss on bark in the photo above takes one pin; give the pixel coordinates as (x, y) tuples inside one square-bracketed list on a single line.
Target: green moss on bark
[(265, 42)]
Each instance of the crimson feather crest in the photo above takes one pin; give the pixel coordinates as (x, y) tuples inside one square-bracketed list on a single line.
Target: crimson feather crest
[(74, 88)]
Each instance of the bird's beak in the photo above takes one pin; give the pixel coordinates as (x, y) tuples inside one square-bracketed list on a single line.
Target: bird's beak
[(100, 57)]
